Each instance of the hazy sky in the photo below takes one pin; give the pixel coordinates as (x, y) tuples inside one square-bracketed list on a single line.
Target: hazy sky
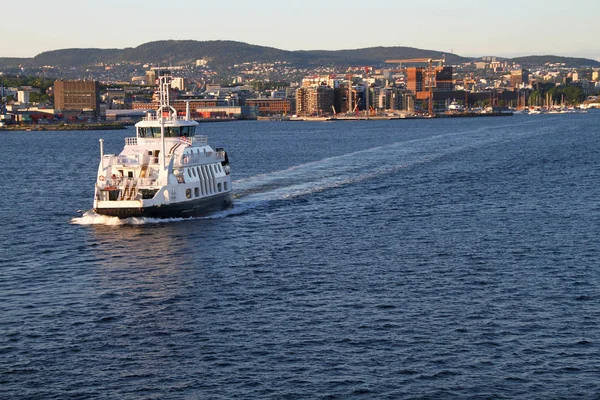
[(467, 28)]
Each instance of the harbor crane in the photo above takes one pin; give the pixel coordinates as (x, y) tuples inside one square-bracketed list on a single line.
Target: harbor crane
[(429, 74)]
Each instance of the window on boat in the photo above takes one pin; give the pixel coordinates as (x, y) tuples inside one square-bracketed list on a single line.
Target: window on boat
[(197, 191), (188, 193), (207, 177), (225, 186), (153, 132), (219, 187), (204, 181), (193, 171), (212, 176)]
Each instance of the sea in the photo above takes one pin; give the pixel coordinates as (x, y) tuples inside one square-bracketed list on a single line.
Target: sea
[(408, 259)]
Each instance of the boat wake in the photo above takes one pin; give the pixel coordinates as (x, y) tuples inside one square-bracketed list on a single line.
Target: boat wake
[(91, 218), (329, 173), (356, 167)]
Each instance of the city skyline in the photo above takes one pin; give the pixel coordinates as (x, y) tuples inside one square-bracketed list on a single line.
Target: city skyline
[(466, 28)]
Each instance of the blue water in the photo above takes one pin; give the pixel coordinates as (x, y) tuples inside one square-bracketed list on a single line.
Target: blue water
[(454, 258)]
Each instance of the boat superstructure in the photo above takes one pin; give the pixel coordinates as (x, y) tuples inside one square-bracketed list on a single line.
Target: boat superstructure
[(165, 171)]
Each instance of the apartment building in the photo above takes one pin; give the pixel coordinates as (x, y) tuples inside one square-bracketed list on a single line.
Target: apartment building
[(314, 101)]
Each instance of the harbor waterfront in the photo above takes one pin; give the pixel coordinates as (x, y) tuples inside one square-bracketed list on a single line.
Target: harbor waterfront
[(440, 258)]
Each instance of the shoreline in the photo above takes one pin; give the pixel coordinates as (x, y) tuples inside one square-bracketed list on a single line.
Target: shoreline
[(64, 127)]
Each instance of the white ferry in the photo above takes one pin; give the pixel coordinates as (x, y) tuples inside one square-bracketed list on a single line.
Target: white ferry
[(165, 171)]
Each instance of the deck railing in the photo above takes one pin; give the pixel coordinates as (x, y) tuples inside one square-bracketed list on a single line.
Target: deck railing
[(122, 183), (199, 158), (197, 140)]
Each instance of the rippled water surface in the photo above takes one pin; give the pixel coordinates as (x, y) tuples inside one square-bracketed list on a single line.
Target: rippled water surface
[(450, 258)]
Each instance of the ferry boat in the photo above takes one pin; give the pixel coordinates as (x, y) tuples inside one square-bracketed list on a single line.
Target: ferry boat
[(165, 171)]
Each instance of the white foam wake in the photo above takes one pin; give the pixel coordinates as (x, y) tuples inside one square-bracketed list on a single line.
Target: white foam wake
[(332, 172), (91, 218)]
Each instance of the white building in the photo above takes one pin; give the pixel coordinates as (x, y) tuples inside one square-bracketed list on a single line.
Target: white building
[(178, 83), (23, 96)]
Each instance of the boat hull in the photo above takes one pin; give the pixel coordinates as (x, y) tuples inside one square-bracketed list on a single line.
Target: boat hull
[(186, 209)]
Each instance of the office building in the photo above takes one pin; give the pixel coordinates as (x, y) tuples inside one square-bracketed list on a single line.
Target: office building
[(77, 96), (270, 106), (417, 80), (519, 78)]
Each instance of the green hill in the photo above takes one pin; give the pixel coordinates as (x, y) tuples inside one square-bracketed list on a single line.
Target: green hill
[(13, 61), (568, 61), (224, 53)]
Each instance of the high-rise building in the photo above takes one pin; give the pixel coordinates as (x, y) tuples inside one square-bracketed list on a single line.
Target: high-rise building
[(417, 79), (443, 79), (312, 101), (77, 96)]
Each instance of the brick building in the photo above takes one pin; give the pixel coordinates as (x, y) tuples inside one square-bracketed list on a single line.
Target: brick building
[(270, 106), (77, 96)]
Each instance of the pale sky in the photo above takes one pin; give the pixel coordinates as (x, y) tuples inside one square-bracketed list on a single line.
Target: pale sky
[(468, 28)]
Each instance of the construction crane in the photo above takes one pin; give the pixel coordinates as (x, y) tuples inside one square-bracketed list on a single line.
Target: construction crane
[(429, 74)]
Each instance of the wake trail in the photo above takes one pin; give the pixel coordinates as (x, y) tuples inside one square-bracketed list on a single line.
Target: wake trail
[(337, 171)]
